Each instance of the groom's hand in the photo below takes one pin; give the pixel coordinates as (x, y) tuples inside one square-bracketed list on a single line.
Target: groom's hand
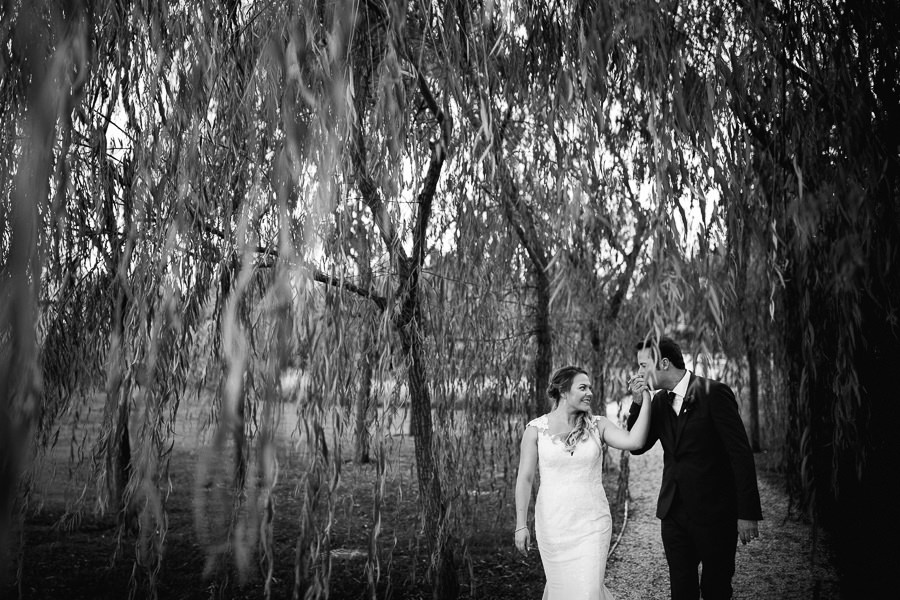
[(637, 385), (747, 530)]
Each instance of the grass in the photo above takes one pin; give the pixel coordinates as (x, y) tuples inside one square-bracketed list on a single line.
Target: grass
[(69, 551)]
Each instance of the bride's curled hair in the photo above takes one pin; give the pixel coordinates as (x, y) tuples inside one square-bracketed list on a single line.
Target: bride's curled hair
[(560, 383)]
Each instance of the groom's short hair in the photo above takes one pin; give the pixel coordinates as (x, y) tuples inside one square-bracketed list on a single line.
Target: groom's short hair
[(666, 348)]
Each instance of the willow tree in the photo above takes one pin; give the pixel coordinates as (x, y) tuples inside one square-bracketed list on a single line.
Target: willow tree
[(822, 127), (223, 191), (553, 162)]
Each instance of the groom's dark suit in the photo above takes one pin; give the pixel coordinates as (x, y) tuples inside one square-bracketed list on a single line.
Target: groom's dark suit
[(708, 483)]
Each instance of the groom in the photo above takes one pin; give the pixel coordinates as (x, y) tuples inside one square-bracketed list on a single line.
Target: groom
[(708, 497)]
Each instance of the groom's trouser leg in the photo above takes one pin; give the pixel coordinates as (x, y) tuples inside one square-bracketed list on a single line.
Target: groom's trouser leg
[(681, 554), (717, 544)]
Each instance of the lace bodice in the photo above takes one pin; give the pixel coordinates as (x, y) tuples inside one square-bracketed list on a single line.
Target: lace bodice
[(571, 484)]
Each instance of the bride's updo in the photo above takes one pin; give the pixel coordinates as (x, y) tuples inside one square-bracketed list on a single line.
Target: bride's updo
[(560, 383)]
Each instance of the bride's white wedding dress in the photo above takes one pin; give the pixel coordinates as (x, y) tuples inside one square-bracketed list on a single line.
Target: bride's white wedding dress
[(572, 521)]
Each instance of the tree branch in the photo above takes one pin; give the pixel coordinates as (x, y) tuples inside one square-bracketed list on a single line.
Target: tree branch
[(364, 181), (379, 301), (272, 254)]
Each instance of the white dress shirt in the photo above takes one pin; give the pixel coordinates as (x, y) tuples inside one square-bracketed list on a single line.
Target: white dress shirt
[(680, 391)]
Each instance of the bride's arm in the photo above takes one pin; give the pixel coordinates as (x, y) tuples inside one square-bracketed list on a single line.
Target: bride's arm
[(524, 482), (629, 440)]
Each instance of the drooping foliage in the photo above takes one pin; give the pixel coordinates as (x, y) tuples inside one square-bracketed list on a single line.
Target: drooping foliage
[(219, 218), (821, 123)]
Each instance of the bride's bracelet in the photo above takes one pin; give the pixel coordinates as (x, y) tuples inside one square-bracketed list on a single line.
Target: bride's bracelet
[(520, 529)]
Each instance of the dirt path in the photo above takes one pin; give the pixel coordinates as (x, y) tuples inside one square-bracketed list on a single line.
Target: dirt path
[(780, 565)]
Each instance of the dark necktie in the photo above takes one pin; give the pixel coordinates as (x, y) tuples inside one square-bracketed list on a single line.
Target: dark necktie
[(671, 397)]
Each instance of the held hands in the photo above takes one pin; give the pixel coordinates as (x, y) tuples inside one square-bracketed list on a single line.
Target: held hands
[(523, 540), (639, 388), (747, 530)]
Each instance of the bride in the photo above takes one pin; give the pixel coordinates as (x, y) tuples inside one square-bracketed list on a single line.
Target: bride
[(572, 521)]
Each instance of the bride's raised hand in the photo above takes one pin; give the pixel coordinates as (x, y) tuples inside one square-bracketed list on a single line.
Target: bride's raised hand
[(639, 389), (523, 540)]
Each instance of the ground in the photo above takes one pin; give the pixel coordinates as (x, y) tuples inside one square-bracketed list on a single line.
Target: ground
[(788, 561), (76, 557)]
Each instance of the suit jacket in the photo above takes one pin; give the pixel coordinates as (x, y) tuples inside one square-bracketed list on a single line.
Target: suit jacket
[(707, 459)]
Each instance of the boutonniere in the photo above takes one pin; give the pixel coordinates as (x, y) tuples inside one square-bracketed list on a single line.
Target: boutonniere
[(688, 403)]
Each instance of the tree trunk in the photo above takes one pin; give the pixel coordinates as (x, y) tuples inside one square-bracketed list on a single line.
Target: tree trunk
[(445, 583), (543, 361), (119, 459), (365, 405), (408, 323), (522, 222), (120, 239), (443, 559), (368, 353), (753, 367), (237, 436), (598, 402), (118, 444)]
